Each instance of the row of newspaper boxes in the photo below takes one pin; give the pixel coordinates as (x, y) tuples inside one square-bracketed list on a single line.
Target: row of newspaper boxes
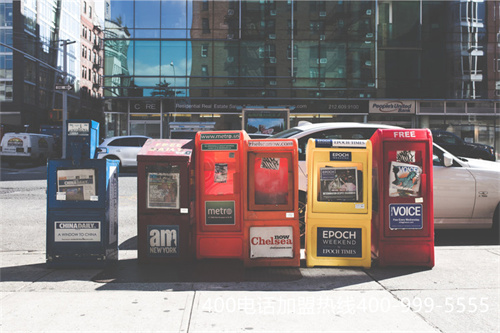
[(225, 195)]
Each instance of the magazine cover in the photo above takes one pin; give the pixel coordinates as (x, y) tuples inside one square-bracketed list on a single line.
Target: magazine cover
[(220, 173), (163, 190), (76, 184), (404, 180), (339, 184)]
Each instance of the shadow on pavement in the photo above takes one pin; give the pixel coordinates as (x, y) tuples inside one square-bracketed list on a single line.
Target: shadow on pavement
[(466, 237)]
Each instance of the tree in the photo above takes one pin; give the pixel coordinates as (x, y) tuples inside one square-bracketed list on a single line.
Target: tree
[(163, 89)]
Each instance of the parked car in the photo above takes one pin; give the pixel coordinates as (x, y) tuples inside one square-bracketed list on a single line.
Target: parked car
[(455, 145), (27, 147), (122, 148), (466, 190)]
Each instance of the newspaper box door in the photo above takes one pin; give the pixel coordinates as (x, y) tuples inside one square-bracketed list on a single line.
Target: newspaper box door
[(405, 188)]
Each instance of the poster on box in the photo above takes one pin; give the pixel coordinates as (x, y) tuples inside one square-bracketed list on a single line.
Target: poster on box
[(76, 184), (404, 180), (163, 190), (271, 242), (77, 231), (163, 240), (339, 184), (220, 174)]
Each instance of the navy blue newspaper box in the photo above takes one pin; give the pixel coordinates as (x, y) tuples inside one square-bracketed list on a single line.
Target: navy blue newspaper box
[(82, 202), (82, 139)]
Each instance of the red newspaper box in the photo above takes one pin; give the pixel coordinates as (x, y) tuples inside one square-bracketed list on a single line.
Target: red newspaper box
[(165, 201), (403, 217), (270, 203), (219, 158)]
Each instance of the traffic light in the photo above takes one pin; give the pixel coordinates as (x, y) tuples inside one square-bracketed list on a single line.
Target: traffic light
[(55, 115)]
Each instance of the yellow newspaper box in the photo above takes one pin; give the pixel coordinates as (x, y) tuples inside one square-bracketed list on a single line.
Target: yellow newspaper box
[(339, 203)]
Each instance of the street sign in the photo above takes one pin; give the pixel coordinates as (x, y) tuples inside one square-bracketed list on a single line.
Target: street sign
[(64, 87)]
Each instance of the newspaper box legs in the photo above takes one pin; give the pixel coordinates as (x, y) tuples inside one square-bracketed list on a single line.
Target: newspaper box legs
[(165, 201), (270, 203), (338, 214), (82, 203), (403, 222)]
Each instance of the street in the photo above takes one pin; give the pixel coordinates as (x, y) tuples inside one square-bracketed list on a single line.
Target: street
[(460, 294)]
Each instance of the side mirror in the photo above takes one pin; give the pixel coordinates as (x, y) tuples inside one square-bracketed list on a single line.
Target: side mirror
[(448, 160)]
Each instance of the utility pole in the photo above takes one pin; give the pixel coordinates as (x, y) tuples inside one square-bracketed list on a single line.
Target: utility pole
[(65, 44)]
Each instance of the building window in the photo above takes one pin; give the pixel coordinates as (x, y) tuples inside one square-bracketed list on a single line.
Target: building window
[(90, 11), (204, 72), (85, 7), (205, 25), (204, 50), (295, 52), (205, 5)]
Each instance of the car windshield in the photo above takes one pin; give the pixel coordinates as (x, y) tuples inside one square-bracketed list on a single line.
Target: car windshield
[(286, 134)]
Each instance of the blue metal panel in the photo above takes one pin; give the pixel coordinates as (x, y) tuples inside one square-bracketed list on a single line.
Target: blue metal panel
[(80, 238), (82, 139)]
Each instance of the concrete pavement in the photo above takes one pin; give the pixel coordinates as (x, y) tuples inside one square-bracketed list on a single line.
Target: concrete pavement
[(460, 294)]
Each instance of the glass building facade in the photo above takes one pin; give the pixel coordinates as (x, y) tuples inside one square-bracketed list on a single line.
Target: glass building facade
[(171, 66)]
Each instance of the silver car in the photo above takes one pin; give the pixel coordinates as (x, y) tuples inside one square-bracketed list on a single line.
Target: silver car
[(466, 190), (122, 148)]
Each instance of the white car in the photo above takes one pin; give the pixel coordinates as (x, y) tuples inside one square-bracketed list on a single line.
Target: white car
[(466, 191), (122, 148)]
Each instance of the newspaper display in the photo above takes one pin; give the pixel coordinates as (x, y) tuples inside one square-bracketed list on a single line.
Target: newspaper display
[(163, 190), (339, 184), (220, 173), (76, 184), (404, 180)]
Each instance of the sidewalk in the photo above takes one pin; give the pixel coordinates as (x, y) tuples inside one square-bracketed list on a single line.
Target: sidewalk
[(460, 294)]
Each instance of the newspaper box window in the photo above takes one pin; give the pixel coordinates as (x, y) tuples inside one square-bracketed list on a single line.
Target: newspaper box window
[(340, 184), (76, 184), (163, 188)]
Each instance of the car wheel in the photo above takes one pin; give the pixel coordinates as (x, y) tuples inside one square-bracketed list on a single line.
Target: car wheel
[(496, 221), (302, 218)]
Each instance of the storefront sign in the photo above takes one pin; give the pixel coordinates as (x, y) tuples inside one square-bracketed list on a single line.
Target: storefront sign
[(271, 242), (294, 105), (406, 107), (405, 216), (163, 240), (219, 213), (339, 242), (76, 231), (144, 106)]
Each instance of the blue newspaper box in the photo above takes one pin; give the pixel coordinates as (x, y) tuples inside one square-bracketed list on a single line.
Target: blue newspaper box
[(82, 207), (82, 139)]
